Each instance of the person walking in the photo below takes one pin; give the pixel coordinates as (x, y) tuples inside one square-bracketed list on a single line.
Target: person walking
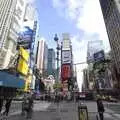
[(27, 105), (7, 106), (100, 108)]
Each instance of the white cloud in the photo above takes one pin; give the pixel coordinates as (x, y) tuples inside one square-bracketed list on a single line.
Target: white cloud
[(87, 16), (31, 1), (79, 49)]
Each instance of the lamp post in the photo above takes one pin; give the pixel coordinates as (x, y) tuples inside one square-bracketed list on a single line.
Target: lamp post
[(57, 48)]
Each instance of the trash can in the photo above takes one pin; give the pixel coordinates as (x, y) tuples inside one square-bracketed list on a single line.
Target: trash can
[(82, 112)]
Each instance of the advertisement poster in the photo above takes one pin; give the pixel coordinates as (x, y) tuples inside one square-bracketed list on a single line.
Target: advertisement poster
[(66, 72), (25, 37), (66, 57), (99, 56)]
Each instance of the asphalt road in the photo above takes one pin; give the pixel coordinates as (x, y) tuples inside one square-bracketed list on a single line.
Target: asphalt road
[(66, 111)]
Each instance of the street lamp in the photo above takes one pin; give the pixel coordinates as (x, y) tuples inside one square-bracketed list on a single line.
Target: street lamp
[(57, 48)]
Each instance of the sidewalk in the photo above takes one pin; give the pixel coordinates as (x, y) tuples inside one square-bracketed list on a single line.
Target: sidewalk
[(65, 111), (108, 115)]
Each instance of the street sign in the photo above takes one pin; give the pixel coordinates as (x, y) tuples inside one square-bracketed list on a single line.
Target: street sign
[(99, 56)]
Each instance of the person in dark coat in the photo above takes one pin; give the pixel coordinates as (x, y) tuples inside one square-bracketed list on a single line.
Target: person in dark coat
[(27, 105), (7, 106), (100, 108)]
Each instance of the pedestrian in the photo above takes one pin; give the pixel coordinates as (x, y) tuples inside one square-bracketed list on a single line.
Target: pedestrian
[(27, 105), (7, 106), (1, 104), (100, 108)]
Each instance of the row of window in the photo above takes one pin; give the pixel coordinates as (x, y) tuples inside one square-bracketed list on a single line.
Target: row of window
[(112, 21)]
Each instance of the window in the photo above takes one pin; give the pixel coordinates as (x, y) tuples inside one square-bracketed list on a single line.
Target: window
[(7, 43), (2, 58), (14, 48)]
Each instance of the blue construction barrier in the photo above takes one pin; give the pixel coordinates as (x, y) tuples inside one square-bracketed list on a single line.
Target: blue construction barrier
[(9, 80)]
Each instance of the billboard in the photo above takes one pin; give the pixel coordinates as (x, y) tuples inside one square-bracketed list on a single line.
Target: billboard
[(65, 72), (22, 66), (25, 37), (99, 56), (24, 54), (66, 57)]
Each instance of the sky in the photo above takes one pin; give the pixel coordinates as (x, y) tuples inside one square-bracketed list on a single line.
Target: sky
[(81, 18)]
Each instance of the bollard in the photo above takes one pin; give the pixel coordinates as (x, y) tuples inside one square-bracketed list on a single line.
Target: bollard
[(82, 112)]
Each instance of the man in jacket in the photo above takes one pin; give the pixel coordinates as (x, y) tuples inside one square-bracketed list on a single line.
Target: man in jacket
[(27, 105), (100, 108)]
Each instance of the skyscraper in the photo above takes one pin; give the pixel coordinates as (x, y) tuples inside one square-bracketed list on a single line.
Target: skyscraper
[(42, 56), (11, 18), (111, 14), (66, 43), (51, 62), (67, 63)]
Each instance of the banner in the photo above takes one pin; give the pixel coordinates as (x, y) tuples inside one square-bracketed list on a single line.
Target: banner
[(28, 81), (66, 57), (22, 66), (65, 72), (25, 37), (24, 54), (99, 56)]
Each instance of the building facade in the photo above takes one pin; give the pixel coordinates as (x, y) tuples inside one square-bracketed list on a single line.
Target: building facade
[(111, 14), (51, 62), (42, 56), (85, 80), (10, 24), (49, 83), (66, 42), (66, 62)]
